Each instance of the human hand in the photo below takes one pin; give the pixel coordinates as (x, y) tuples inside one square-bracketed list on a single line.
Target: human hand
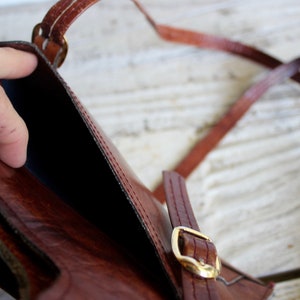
[(13, 130)]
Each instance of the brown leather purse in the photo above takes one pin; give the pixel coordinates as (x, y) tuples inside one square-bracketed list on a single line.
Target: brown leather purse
[(76, 223)]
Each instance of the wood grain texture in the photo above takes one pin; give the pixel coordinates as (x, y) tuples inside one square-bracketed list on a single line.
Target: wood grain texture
[(155, 99)]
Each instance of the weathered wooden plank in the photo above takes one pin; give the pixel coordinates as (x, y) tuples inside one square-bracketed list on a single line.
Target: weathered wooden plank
[(156, 99)]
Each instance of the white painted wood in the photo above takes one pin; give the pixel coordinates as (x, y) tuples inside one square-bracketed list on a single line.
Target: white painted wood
[(155, 99), (18, 2)]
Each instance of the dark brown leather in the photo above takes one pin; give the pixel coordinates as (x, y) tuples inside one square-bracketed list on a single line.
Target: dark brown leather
[(78, 162), (52, 205), (84, 263)]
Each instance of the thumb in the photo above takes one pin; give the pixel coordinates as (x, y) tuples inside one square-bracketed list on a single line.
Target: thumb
[(13, 131), (13, 134)]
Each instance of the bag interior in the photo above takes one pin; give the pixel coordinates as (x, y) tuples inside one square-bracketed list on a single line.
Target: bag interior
[(64, 156)]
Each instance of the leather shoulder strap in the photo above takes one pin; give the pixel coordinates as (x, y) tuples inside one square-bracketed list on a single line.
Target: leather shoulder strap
[(204, 146), (49, 37), (49, 34), (202, 276), (191, 246), (60, 17)]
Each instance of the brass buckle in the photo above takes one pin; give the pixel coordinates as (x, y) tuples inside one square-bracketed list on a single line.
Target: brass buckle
[(62, 51), (191, 264)]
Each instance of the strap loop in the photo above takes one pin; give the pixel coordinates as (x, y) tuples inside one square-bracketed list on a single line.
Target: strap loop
[(55, 53)]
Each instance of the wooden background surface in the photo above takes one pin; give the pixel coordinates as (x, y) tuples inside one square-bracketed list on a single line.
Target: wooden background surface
[(155, 99)]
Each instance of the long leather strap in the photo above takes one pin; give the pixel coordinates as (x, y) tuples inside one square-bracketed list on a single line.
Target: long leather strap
[(180, 209), (203, 251), (61, 16), (49, 34), (200, 150), (181, 214), (64, 12)]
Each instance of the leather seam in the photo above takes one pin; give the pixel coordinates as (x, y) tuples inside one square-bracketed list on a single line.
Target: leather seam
[(141, 210)]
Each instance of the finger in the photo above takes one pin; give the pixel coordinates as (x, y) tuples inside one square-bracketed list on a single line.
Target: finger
[(13, 134), (15, 63)]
